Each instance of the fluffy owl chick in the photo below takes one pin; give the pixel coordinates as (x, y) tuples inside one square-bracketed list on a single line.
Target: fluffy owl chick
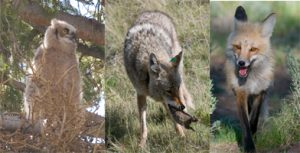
[(53, 91)]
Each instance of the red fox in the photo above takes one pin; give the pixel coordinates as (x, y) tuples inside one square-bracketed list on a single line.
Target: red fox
[(249, 70)]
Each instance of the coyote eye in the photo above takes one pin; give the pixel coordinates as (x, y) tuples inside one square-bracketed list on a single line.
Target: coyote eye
[(253, 49), (236, 47)]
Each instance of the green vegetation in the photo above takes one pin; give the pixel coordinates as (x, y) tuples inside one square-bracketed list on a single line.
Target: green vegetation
[(122, 121), (282, 127)]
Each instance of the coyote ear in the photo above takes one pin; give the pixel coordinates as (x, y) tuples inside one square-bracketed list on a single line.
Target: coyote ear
[(154, 64), (239, 16), (268, 25), (176, 60)]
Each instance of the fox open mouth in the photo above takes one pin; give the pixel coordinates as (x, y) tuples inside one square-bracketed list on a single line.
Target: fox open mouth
[(243, 72)]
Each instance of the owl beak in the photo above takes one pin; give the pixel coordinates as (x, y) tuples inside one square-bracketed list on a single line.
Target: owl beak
[(73, 37)]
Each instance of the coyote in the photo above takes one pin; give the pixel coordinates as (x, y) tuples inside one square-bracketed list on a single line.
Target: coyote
[(153, 61), (249, 70)]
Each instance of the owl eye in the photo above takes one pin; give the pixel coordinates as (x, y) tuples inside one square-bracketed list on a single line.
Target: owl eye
[(236, 47), (66, 30), (253, 49)]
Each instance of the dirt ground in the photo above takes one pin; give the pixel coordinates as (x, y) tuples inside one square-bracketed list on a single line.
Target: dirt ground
[(224, 147), (233, 148)]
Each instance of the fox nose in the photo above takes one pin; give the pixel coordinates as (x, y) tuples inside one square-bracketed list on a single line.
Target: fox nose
[(241, 63)]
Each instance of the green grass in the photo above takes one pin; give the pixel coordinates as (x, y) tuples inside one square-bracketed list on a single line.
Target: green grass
[(282, 128), (122, 124)]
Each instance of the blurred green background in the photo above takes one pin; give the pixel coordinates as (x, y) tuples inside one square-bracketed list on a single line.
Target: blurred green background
[(283, 101)]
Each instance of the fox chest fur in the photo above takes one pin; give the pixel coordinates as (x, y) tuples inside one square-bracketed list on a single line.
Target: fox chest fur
[(260, 78)]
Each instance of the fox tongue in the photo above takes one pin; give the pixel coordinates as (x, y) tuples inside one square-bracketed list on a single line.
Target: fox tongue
[(243, 72)]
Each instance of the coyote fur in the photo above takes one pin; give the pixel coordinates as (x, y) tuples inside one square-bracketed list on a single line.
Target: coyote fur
[(154, 64)]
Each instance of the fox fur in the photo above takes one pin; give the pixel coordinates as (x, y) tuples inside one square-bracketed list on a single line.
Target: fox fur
[(250, 70)]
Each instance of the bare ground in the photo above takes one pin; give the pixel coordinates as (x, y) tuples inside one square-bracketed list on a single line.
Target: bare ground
[(233, 148), (223, 147)]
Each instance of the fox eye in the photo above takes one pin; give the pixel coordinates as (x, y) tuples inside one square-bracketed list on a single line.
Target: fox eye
[(66, 30), (253, 49), (236, 47)]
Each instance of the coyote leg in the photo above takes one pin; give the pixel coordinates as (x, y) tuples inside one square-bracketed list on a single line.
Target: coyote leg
[(179, 129), (241, 97), (142, 106)]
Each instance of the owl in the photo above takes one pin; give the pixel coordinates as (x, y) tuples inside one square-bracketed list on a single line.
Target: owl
[(53, 90)]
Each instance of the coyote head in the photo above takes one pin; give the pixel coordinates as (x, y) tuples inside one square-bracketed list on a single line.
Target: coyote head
[(249, 43), (165, 79)]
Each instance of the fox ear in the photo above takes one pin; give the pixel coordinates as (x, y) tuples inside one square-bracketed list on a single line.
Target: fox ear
[(268, 25), (239, 16), (176, 60), (154, 64)]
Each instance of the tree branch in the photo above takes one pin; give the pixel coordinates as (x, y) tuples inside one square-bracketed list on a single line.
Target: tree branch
[(87, 29), (13, 83), (16, 84), (94, 51)]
